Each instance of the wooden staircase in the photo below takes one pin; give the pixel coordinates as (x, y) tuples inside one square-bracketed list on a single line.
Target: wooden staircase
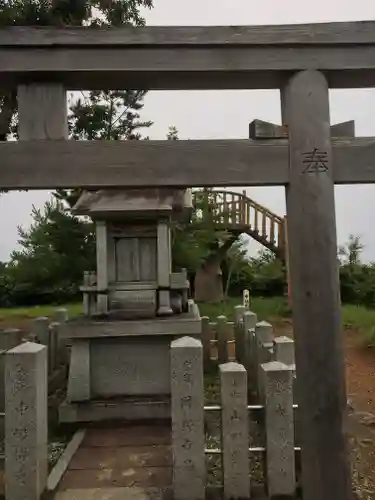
[(237, 213)]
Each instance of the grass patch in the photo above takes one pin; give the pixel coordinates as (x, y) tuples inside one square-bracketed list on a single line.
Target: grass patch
[(362, 319), (35, 312), (267, 309)]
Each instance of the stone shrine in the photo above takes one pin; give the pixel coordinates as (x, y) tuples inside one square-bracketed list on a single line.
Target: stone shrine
[(134, 306)]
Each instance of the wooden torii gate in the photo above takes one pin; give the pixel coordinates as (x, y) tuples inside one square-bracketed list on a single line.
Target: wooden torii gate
[(303, 61)]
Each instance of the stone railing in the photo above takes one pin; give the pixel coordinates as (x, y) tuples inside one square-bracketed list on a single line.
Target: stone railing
[(188, 425), (257, 379), (45, 331), (33, 366)]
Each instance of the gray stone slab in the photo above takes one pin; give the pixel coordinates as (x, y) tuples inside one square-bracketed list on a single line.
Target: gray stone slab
[(125, 409), (122, 493), (133, 366), (279, 429), (26, 425), (164, 308), (137, 301), (184, 324), (62, 464), (188, 439), (235, 431), (79, 382)]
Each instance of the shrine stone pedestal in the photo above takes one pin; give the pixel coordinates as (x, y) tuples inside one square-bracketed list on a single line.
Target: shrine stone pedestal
[(134, 307)]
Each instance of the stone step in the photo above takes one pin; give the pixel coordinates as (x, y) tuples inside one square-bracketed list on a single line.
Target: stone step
[(126, 493)]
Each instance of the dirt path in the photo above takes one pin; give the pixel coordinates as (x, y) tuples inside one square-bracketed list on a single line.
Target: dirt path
[(360, 375)]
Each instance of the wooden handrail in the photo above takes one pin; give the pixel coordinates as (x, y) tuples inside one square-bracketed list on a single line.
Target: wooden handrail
[(237, 211)]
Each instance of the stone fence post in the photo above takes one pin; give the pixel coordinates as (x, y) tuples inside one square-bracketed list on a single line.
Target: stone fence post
[(263, 352), (222, 339), (249, 322), (26, 424), (40, 329), (206, 339), (61, 315), (188, 437), (235, 431), (238, 332), (279, 428), (9, 338), (283, 350)]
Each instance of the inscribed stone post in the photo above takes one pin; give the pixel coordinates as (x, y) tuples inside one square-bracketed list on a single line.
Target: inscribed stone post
[(235, 431), (279, 429), (238, 332), (188, 439), (26, 425), (9, 338)]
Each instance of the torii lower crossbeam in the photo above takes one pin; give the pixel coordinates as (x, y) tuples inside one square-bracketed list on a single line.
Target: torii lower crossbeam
[(104, 164)]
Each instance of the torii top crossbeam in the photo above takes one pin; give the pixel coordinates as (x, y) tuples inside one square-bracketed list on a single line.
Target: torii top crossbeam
[(246, 57)]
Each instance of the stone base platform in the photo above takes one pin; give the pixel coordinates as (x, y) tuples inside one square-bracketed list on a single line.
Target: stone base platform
[(87, 328), (128, 408)]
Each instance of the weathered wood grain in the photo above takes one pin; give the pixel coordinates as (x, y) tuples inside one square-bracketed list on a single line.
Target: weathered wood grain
[(42, 111), (315, 290), (343, 129), (259, 129), (357, 32), (188, 58), (91, 164), (94, 164)]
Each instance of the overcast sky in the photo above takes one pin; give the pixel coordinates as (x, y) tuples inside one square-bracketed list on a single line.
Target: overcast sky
[(226, 114)]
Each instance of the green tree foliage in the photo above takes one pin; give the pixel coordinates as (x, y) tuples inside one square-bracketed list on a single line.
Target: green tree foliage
[(53, 253), (264, 275), (351, 251)]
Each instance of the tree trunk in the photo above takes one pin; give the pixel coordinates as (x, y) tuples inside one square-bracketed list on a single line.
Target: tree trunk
[(208, 284)]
